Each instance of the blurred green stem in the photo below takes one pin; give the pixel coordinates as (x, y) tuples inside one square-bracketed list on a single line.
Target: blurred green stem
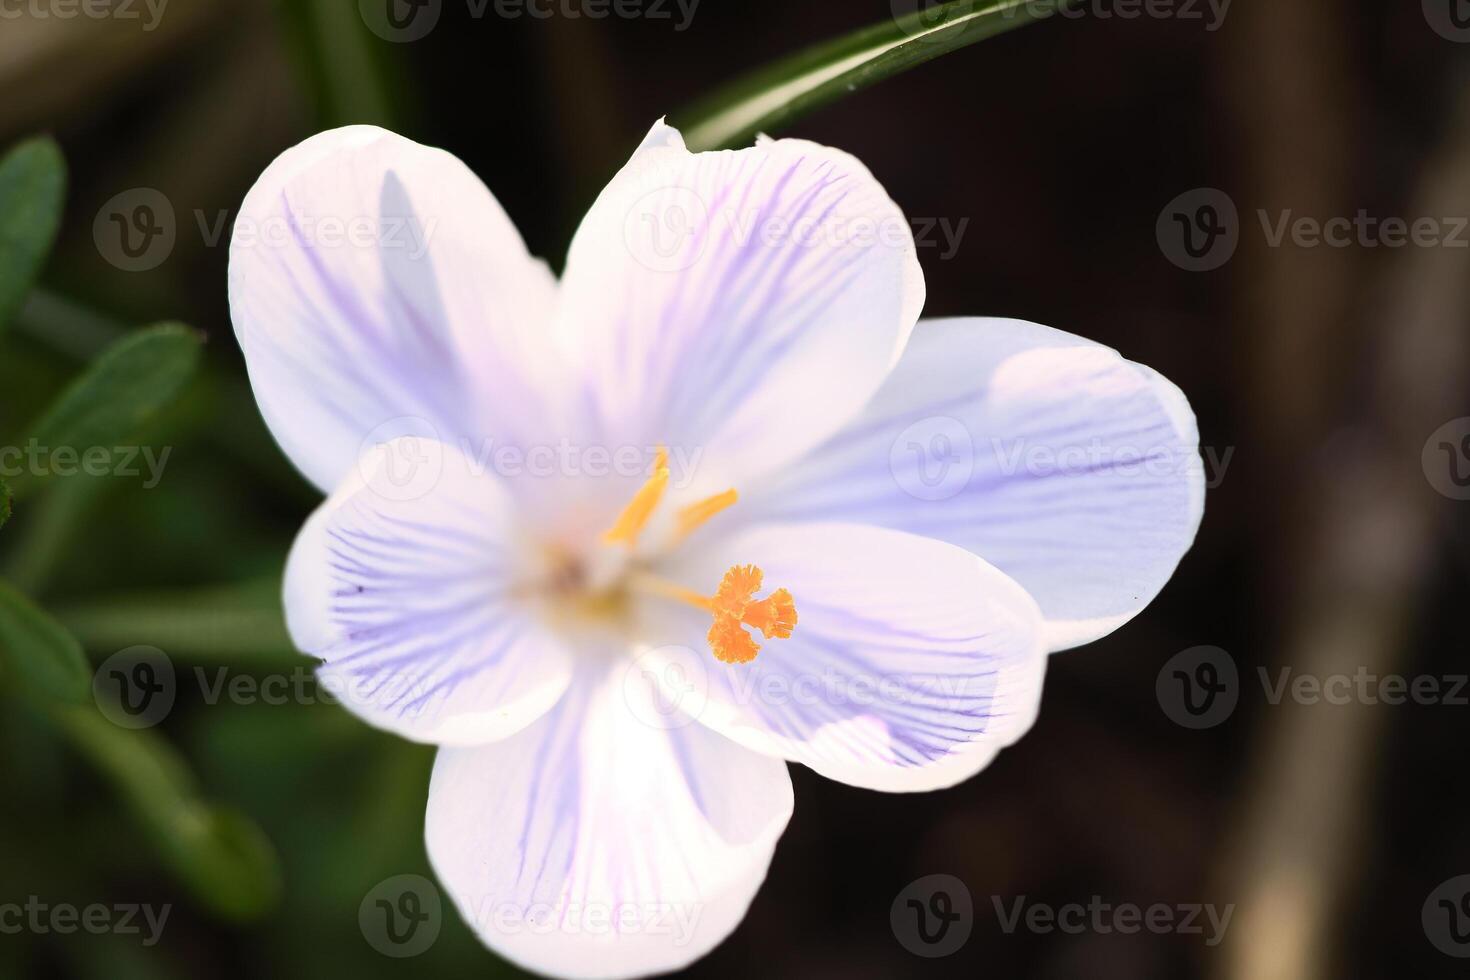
[(238, 624), (334, 47), (51, 524), (66, 326), (220, 854)]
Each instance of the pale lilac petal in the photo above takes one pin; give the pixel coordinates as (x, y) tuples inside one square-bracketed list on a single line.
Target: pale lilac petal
[(912, 662), (371, 279), (1074, 471), (740, 305), (600, 843), (405, 582)]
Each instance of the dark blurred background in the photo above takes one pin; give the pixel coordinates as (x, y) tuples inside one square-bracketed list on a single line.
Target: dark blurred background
[(1330, 545)]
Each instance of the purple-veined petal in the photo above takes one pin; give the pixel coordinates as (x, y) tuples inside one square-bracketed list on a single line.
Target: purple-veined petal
[(1074, 471), (911, 664), (739, 304), (373, 279), (405, 582), (605, 840)]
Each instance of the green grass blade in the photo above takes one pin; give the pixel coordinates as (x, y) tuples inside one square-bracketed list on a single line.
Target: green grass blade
[(772, 97)]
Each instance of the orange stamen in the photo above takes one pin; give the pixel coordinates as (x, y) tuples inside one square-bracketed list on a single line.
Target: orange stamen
[(736, 588), (730, 642), (635, 516), (734, 607), (774, 616)]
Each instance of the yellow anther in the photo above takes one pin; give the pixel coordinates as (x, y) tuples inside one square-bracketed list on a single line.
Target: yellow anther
[(693, 517), (635, 516)]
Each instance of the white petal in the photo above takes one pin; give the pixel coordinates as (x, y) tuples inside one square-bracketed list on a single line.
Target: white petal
[(737, 304), (372, 278), (404, 582), (596, 844), (912, 661), (1074, 471)]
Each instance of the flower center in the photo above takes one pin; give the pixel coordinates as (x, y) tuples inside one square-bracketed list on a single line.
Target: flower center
[(733, 605)]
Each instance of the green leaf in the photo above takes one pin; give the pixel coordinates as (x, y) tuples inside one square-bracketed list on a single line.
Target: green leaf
[(220, 854), (39, 653), (4, 503), (32, 190), (118, 392), (773, 97)]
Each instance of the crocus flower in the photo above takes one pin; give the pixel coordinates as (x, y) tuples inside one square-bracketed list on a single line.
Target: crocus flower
[(626, 543)]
